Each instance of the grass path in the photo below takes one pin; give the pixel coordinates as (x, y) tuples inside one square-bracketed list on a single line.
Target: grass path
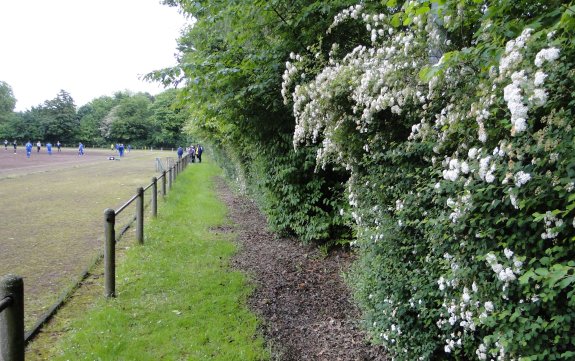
[(177, 297)]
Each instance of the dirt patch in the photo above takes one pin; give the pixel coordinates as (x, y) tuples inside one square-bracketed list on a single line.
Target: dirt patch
[(222, 229), (300, 296)]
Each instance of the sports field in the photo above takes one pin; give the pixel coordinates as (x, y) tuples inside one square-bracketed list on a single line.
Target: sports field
[(51, 213)]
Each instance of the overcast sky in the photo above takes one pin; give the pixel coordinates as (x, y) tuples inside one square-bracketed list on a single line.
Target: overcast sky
[(89, 48)]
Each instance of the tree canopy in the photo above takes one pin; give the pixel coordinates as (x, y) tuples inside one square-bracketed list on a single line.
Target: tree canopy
[(136, 119)]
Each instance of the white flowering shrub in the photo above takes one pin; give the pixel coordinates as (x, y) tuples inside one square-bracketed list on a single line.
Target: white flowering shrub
[(455, 122)]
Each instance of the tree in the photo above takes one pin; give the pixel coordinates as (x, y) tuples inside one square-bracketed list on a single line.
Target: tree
[(168, 117), (58, 119), (91, 116), (232, 63), (7, 104), (7, 101), (130, 120)]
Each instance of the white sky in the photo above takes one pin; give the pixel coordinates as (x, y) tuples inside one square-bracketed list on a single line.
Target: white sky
[(89, 48)]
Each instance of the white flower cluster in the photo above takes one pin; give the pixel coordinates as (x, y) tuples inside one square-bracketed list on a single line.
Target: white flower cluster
[(513, 198), (374, 79), (486, 169), (521, 89), (521, 178), (459, 207), (459, 314), (505, 273), (480, 109), (455, 167), (539, 78), (352, 12), (514, 98), (549, 54), (552, 226), (499, 354), (288, 76), (481, 352), (512, 55)]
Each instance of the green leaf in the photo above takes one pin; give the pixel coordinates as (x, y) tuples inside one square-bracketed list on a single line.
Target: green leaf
[(396, 20), (422, 10), (524, 279), (514, 316), (566, 282), (391, 3)]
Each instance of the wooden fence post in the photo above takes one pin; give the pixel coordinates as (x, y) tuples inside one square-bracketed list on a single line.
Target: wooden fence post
[(12, 342), (170, 178), (140, 215), (164, 175), (110, 253), (154, 197)]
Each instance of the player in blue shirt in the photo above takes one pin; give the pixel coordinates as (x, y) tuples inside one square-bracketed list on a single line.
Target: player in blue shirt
[(28, 149)]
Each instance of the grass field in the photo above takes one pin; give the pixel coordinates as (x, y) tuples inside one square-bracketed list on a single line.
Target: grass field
[(51, 214), (177, 298)]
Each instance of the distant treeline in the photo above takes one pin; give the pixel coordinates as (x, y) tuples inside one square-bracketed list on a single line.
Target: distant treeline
[(139, 119)]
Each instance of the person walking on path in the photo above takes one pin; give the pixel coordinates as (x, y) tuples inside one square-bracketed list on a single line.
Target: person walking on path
[(180, 152), (81, 149), (15, 144), (49, 148), (192, 153), (28, 149), (199, 152), (121, 149), (5, 145), (59, 145), (38, 146)]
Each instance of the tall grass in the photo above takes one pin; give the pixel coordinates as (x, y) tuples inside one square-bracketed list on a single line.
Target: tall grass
[(177, 298)]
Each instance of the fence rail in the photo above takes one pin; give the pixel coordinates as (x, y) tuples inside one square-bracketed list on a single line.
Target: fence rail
[(5, 303), (12, 341), (12, 338)]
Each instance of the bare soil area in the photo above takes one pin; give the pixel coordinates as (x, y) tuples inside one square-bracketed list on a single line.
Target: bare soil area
[(51, 214), (300, 296), (17, 164)]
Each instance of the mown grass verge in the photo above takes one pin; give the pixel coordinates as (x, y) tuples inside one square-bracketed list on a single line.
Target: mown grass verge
[(177, 299)]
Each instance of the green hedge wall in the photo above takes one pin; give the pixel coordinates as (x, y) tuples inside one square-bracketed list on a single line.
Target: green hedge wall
[(455, 121)]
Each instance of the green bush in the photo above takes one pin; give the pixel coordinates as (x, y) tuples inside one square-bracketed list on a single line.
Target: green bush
[(456, 124)]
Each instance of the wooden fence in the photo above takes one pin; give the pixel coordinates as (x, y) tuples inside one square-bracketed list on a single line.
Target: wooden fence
[(13, 339)]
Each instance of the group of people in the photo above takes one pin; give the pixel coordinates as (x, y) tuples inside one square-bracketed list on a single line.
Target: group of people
[(193, 152), (121, 148), (29, 147)]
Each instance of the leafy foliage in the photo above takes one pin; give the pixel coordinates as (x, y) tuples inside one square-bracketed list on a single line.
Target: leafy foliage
[(456, 122), (231, 64), (58, 118), (7, 100), (138, 119)]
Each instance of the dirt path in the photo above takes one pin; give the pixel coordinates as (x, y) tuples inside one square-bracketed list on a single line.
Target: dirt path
[(301, 297)]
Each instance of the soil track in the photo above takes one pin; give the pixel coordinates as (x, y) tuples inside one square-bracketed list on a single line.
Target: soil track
[(305, 305), (51, 212), (17, 164)]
